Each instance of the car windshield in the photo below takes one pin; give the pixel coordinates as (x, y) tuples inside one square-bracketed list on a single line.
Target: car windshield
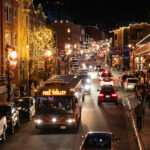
[(5, 110), (133, 81), (22, 102), (75, 65), (54, 105), (100, 141)]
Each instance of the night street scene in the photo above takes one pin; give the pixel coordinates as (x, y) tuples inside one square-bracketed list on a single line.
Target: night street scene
[(74, 75)]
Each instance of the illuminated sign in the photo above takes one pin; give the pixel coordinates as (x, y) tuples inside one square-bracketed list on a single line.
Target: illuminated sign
[(53, 92)]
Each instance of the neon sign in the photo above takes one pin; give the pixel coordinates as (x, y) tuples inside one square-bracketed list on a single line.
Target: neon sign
[(53, 92)]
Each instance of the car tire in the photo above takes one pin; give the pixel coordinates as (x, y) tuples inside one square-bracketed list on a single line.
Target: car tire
[(12, 130), (116, 103), (4, 135), (18, 123), (99, 103), (30, 116)]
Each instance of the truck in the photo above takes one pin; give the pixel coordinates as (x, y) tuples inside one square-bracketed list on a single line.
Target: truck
[(58, 102), (3, 128)]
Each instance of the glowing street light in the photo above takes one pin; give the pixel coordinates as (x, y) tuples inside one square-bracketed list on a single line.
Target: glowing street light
[(13, 54)]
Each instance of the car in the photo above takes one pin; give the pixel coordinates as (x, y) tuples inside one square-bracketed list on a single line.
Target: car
[(107, 94), (100, 71), (3, 128), (75, 67), (97, 67), (98, 140), (124, 76), (9, 109), (26, 107), (130, 83), (106, 74), (86, 81), (106, 81)]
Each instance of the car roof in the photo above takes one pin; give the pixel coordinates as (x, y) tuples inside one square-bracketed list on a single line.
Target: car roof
[(100, 132)]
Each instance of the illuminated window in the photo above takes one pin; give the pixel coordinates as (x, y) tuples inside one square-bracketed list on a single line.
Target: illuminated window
[(68, 30), (15, 39), (27, 21), (8, 37), (69, 38), (8, 8)]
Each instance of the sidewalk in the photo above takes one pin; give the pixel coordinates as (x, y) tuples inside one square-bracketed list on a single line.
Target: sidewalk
[(145, 132)]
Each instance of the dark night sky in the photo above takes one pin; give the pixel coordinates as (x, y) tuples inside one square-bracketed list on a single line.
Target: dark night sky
[(105, 13)]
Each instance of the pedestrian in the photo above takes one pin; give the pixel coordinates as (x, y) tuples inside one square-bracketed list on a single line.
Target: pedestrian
[(139, 112), (148, 98), (139, 93)]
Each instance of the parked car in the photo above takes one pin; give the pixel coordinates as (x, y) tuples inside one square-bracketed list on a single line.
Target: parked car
[(3, 128), (9, 110), (26, 107), (124, 76), (99, 141), (107, 94), (130, 83)]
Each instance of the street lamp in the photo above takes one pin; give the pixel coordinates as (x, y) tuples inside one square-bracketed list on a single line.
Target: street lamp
[(11, 63), (48, 55)]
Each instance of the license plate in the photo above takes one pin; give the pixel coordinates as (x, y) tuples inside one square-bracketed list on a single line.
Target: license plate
[(107, 96), (62, 127)]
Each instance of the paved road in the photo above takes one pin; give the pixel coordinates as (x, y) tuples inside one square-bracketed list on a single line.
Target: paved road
[(107, 118)]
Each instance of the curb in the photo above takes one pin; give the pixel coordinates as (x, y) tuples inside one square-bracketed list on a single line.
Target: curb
[(131, 116)]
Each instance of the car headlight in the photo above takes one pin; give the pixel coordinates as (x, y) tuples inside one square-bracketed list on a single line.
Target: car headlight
[(38, 121), (87, 87), (70, 120), (88, 81), (90, 67)]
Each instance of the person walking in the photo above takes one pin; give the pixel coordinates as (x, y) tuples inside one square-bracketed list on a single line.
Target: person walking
[(139, 112), (148, 98)]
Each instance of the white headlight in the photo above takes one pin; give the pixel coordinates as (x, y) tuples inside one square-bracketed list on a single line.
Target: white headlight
[(90, 67), (71, 120), (54, 119), (86, 87), (39, 121), (88, 80)]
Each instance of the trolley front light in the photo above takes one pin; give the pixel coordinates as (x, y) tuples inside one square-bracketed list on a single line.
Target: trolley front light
[(39, 121), (54, 119), (71, 120)]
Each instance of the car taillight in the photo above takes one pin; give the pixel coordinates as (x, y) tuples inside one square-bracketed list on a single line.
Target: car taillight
[(114, 95), (101, 95)]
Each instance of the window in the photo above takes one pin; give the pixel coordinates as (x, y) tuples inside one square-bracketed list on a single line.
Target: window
[(15, 39), (69, 38), (8, 37), (115, 36), (7, 12), (27, 21), (68, 30), (15, 15)]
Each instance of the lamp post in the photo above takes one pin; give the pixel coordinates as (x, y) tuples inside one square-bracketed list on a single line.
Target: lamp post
[(48, 55), (132, 47), (11, 62)]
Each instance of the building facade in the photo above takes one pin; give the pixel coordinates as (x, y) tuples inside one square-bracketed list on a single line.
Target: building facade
[(68, 33), (17, 17), (125, 36)]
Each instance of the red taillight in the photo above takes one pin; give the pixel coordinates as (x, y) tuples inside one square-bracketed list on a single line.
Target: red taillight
[(114, 95), (101, 95)]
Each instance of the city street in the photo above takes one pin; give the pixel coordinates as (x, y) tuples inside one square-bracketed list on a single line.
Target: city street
[(94, 118)]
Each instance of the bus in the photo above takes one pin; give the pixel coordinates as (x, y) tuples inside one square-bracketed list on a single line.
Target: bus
[(58, 102)]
